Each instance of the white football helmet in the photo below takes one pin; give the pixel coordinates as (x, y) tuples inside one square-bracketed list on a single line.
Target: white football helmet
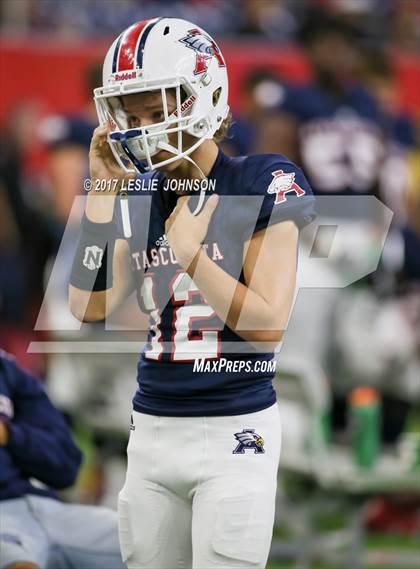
[(158, 55)]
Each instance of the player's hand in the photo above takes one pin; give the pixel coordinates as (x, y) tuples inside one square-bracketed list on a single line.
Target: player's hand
[(103, 166), (4, 434), (186, 232), (102, 163)]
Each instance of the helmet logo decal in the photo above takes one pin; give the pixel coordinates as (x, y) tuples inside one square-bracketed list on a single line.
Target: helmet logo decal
[(205, 48)]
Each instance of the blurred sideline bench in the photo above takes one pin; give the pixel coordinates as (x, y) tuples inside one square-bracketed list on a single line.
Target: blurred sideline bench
[(340, 484)]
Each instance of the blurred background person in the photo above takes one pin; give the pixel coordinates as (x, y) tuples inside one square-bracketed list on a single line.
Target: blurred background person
[(29, 234), (262, 125), (397, 130), (38, 457), (332, 121), (270, 19), (67, 139)]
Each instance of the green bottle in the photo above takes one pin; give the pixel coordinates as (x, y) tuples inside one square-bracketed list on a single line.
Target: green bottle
[(365, 421), (409, 443)]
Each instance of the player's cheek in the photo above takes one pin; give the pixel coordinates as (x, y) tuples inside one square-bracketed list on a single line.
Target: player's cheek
[(173, 138), (187, 140)]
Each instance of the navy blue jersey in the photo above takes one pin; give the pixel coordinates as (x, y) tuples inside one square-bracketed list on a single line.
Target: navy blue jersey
[(40, 445), (255, 191), (340, 140)]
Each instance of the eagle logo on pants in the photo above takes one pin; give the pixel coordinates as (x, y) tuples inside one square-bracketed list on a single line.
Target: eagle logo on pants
[(247, 440)]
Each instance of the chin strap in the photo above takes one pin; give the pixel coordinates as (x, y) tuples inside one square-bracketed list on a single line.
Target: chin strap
[(173, 150), (125, 215)]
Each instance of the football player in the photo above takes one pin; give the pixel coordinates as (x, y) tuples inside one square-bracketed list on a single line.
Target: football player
[(216, 273)]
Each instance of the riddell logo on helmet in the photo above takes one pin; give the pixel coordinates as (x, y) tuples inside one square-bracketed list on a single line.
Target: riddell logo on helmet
[(186, 105), (125, 76)]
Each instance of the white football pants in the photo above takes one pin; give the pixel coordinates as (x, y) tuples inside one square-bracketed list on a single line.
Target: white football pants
[(195, 496)]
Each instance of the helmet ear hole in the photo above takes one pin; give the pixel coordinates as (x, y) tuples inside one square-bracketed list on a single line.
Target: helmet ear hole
[(166, 31), (216, 96)]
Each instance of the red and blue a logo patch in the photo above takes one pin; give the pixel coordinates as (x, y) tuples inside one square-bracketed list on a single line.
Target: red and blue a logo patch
[(283, 183)]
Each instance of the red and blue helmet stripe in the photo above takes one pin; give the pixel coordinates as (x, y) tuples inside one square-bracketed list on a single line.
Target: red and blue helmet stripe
[(128, 54)]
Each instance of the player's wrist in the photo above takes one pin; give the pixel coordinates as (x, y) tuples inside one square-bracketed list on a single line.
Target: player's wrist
[(100, 207), (188, 258), (92, 265)]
